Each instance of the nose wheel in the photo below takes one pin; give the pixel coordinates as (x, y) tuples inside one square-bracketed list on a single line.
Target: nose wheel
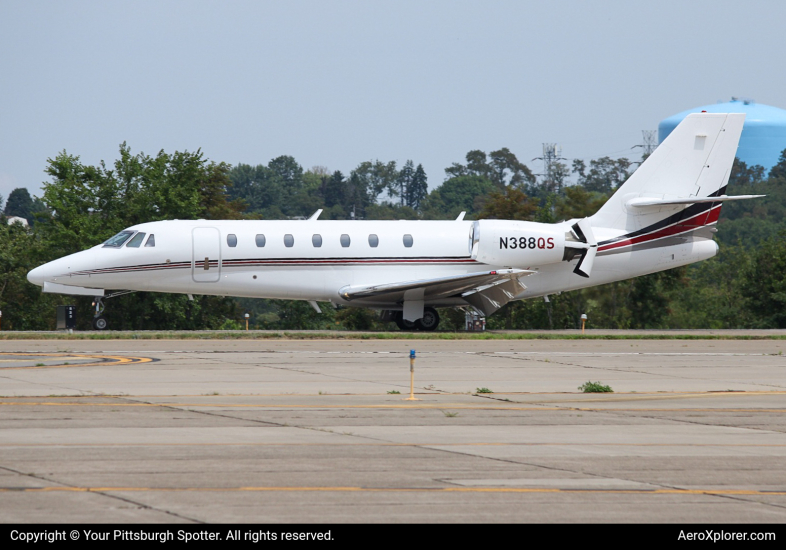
[(100, 323)]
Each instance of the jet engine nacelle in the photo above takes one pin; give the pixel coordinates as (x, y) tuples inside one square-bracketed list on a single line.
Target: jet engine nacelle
[(516, 243)]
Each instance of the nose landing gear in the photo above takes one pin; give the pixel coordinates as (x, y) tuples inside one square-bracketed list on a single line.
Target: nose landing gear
[(99, 321)]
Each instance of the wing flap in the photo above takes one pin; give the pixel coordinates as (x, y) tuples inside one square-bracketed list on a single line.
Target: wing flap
[(490, 298)]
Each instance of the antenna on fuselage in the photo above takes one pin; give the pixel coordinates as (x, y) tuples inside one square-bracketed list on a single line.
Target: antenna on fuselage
[(315, 215)]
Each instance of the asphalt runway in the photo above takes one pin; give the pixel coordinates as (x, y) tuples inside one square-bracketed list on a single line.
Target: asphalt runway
[(311, 431)]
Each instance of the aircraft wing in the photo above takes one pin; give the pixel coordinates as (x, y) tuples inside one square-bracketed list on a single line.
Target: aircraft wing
[(486, 290)]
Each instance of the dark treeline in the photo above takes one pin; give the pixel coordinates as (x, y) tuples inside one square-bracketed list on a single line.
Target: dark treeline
[(81, 206)]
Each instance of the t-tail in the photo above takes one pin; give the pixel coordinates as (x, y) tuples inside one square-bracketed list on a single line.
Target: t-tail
[(677, 190)]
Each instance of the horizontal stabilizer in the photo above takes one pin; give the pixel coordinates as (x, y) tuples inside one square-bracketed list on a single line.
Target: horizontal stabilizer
[(641, 202), (55, 288), (440, 287)]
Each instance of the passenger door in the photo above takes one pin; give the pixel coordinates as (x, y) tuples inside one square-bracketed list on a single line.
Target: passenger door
[(206, 261)]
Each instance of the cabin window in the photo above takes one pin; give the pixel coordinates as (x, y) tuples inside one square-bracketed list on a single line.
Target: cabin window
[(289, 240), (260, 239), (151, 241), (316, 240), (232, 240), (118, 240), (408, 241), (345, 240), (136, 242), (373, 241)]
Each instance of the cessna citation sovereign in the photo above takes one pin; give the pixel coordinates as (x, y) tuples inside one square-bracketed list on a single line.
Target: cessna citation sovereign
[(661, 217)]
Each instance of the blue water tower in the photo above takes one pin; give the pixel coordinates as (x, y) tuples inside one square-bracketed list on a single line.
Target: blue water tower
[(763, 136)]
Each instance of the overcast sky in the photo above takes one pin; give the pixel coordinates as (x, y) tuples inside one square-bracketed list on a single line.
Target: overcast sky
[(335, 83)]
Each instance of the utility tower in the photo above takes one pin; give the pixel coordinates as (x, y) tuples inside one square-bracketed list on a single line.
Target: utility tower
[(552, 153), (648, 145), (650, 142)]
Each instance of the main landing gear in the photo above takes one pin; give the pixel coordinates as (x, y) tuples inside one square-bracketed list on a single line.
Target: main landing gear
[(429, 321)]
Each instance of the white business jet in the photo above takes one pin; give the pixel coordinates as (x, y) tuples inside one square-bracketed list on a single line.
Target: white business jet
[(662, 217)]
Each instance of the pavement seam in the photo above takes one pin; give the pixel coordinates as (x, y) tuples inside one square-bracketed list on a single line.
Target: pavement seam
[(102, 493)]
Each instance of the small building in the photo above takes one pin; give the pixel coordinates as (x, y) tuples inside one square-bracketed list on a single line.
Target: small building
[(17, 219), (763, 136)]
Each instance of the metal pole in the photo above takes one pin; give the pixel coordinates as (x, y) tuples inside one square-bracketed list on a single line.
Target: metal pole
[(412, 377)]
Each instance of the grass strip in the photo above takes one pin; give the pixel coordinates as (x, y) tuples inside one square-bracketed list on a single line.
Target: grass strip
[(350, 335)]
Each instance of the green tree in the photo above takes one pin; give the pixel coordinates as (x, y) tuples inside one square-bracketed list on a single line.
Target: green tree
[(764, 285), (254, 185), (500, 167), (712, 296), (743, 175), (506, 170), (298, 315), (468, 193), (378, 177), (578, 202), (779, 170), (334, 190), (604, 174), (23, 305), (477, 165), (510, 204), (417, 191), (19, 203), (404, 182), (649, 300)]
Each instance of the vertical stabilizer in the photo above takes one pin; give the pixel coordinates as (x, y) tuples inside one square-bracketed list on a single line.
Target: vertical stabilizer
[(694, 161)]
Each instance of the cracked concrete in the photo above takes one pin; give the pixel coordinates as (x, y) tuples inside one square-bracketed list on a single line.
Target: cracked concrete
[(306, 431)]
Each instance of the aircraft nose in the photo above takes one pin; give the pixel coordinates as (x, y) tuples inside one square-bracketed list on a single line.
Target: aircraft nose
[(36, 276)]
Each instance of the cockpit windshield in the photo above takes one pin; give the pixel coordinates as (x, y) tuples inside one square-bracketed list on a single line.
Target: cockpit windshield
[(118, 240), (136, 241)]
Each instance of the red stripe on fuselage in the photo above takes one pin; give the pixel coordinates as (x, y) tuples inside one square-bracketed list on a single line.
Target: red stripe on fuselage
[(695, 222)]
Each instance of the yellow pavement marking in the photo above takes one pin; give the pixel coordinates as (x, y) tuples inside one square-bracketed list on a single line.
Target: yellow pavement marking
[(709, 492), (106, 360)]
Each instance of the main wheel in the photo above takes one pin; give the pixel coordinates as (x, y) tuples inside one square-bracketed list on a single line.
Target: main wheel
[(403, 324), (429, 321), (99, 323)]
